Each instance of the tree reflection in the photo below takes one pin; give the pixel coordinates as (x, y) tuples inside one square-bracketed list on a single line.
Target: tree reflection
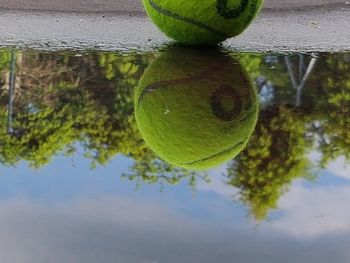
[(65, 101), (275, 156), (290, 127)]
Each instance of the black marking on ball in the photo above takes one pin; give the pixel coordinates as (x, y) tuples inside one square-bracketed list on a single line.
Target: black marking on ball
[(224, 11), (226, 92), (186, 19), (253, 9)]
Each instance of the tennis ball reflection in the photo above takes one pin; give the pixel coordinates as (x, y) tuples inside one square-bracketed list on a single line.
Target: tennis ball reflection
[(196, 109)]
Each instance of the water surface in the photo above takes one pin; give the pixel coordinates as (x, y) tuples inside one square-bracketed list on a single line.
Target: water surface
[(78, 182)]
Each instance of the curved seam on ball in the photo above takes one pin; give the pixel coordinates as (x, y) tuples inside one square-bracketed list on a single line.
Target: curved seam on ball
[(186, 19), (215, 155), (154, 86)]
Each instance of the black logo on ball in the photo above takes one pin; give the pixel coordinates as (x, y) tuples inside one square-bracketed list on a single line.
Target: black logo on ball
[(224, 11), (227, 93)]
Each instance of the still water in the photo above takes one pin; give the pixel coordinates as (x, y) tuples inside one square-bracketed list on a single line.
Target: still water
[(178, 155)]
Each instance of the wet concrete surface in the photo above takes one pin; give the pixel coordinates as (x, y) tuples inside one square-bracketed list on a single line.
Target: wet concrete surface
[(319, 25), (130, 5)]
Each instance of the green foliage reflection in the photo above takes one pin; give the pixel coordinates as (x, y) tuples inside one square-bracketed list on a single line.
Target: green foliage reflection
[(64, 102)]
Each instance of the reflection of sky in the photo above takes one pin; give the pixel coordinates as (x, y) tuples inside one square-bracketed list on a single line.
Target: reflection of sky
[(66, 212)]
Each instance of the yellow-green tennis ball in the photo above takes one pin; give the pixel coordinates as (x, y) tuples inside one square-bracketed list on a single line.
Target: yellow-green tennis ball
[(196, 108), (202, 22)]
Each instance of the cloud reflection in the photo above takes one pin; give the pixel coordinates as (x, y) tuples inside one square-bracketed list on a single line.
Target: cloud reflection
[(125, 230)]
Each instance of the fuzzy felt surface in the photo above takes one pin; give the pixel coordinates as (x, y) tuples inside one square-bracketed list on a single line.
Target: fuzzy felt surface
[(196, 108), (202, 22)]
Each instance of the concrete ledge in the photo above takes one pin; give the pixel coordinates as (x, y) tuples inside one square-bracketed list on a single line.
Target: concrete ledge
[(132, 5), (313, 28)]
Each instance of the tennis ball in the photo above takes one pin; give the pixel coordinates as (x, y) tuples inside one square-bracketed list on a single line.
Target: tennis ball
[(202, 22), (196, 108)]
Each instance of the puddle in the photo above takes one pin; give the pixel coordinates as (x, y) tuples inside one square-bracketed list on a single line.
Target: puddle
[(179, 155)]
